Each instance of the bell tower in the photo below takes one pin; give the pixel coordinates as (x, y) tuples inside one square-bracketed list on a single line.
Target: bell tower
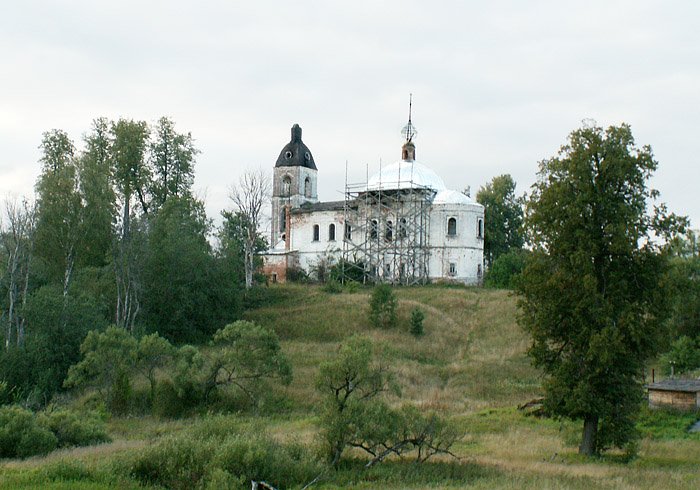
[(294, 183)]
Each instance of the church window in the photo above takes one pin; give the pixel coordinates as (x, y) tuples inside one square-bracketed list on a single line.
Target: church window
[(389, 231), (288, 155), (286, 186), (283, 219), (453, 269), (316, 233), (403, 232), (348, 231), (307, 187), (479, 271), (480, 228), (373, 229), (331, 232), (451, 227)]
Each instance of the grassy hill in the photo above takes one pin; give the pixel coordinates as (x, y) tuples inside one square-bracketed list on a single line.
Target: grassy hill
[(470, 366)]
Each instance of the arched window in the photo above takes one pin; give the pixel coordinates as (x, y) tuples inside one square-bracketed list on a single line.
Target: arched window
[(348, 231), (403, 232), (283, 219), (452, 227), (373, 229), (480, 228), (331, 232), (389, 231), (307, 187), (316, 233), (286, 186)]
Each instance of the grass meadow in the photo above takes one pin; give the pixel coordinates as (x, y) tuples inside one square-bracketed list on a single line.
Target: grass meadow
[(470, 366)]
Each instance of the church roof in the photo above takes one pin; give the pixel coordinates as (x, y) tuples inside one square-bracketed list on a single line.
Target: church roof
[(452, 197), (310, 207), (405, 174), (296, 153)]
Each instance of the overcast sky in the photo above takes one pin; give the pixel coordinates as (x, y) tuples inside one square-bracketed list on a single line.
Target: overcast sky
[(497, 86)]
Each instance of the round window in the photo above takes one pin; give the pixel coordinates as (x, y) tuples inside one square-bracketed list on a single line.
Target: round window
[(288, 155), (307, 155)]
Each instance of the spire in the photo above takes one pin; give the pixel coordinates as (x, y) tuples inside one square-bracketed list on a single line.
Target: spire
[(409, 131)]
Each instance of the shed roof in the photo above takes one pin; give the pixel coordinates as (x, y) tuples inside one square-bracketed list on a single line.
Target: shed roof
[(685, 385)]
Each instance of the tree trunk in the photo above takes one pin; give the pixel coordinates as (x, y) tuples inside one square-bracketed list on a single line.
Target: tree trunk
[(588, 445)]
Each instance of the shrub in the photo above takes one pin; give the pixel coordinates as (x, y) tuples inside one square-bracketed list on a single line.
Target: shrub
[(382, 306), (36, 440), (20, 436), (74, 429), (167, 403), (417, 317), (506, 269), (297, 274), (333, 287)]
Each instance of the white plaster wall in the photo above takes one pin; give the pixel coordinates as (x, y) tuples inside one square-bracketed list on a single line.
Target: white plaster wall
[(311, 251)]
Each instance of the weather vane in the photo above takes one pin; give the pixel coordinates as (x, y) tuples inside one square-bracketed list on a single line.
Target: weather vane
[(409, 131)]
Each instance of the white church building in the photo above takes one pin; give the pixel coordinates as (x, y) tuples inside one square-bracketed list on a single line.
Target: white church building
[(402, 226)]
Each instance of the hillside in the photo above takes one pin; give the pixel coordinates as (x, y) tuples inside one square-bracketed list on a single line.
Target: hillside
[(470, 366)]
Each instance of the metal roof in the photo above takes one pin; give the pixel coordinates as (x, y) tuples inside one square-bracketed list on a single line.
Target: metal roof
[(686, 385), (296, 153)]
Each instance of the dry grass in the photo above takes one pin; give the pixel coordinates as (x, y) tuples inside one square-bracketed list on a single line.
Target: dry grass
[(470, 364)]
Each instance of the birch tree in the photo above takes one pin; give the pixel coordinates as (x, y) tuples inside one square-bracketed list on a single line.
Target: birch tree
[(17, 238), (249, 197)]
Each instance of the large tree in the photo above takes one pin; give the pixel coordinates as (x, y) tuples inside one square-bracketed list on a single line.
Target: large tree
[(590, 295), (503, 216)]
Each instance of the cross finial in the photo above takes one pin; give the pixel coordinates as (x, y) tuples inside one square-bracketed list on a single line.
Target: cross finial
[(409, 130)]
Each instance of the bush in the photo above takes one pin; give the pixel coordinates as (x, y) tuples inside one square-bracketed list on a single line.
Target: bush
[(212, 457), (20, 436), (74, 429), (297, 274), (417, 317), (333, 287), (167, 403), (382, 306)]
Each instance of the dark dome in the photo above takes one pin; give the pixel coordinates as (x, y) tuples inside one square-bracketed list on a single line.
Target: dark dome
[(296, 153)]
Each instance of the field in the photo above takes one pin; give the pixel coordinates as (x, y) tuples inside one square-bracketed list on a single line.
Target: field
[(470, 366)]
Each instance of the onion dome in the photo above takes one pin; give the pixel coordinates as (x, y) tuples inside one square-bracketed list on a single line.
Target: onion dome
[(296, 153)]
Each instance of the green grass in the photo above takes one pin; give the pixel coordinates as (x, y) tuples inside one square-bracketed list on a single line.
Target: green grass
[(470, 365)]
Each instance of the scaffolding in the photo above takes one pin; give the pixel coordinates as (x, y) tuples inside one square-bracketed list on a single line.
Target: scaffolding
[(386, 230)]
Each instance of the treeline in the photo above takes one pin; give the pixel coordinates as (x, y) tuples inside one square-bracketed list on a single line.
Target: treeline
[(116, 236)]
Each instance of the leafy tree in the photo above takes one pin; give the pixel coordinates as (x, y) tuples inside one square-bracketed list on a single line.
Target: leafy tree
[(247, 356), (503, 217), (382, 306), (683, 356), (186, 293), (59, 207), (505, 270), (684, 287), (153, 352), (172, 160), (348, 381), (232, 239), (589, 296), (108, 359)]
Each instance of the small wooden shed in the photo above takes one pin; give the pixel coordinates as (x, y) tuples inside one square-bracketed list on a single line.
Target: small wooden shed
[(681, 394)]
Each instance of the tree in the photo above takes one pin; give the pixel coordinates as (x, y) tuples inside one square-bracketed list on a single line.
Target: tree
[(172, 162), (503, 217), (59, 207), (684, 287), (248, 355), (684, 356), (589, 296), (382, 306), (153, 352), (232, 237), (17, 242), (505, 270), (248, 197), (131, 176)]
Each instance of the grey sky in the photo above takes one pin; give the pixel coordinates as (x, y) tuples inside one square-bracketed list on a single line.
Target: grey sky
[(497, 85)]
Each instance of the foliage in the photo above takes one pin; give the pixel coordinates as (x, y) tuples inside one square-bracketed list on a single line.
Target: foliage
[(503, 217), (684, 356), (21, 436), (186, 293), (589, 294), (297, 274), (382, 306), (506, 269), (72, 428), (333, 287), (683, 284), (417, 317), (232, 238), (247, 356), (223, 459)]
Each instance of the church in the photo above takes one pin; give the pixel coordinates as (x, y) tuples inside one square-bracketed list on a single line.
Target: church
[(402, 226)]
